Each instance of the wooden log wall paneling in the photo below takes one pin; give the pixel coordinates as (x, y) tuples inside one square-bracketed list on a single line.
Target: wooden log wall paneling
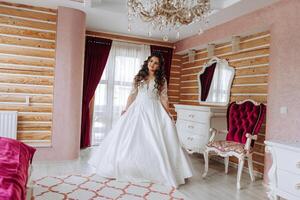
[(251, 65), (174, 83), (27, 60)]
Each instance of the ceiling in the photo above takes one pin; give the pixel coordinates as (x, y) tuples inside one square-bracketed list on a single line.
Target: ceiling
[(111, 15)]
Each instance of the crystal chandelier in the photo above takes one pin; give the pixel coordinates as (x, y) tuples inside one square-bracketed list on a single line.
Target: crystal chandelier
[(168, 14)]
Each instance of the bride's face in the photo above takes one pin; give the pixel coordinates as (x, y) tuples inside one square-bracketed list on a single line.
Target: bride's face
[(153, 64)]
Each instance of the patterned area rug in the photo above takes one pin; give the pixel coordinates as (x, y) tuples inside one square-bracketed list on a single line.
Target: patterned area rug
[(94, 187)]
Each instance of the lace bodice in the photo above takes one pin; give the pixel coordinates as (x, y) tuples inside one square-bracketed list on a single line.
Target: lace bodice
[(147, 90)]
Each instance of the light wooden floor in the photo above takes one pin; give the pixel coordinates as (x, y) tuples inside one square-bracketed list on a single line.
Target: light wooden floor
[(217, 185)]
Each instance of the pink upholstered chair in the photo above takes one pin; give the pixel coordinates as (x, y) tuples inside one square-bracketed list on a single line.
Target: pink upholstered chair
[(244, 120)]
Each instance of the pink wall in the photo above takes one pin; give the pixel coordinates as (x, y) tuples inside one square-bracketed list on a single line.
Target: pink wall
[(283, 21), (70, 40)]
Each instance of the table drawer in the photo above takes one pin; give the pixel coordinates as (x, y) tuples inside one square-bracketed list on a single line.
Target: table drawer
[(195, 116), (193, 142), (194, 127), (289, 182), (288, 160)]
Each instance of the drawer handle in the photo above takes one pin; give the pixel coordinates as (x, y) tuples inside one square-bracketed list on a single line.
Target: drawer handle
[(298, 164), (191, 127), (297, 186), (190, 138), (191, 116)]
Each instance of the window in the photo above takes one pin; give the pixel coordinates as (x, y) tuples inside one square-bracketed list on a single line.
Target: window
[(112, 92)]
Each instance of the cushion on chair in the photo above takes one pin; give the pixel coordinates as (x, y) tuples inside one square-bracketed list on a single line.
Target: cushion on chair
[(228, 146), (244, 118)]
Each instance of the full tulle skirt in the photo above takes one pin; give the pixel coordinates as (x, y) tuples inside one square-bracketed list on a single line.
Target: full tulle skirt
[(143, 146)]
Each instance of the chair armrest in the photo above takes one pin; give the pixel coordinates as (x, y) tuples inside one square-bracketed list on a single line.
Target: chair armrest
[(249, 140), (223, 131), (214, 131), (252, 137)]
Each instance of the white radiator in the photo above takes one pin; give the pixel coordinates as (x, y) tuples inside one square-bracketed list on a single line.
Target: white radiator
[(8, 124)]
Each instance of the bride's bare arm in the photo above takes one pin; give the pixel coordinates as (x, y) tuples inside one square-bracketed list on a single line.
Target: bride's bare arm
[(131, 98)]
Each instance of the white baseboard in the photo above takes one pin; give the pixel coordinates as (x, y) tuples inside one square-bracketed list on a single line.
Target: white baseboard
[(29, 193), (29, 187)]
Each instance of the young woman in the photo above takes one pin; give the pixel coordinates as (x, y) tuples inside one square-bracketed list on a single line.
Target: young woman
[(143, 146)]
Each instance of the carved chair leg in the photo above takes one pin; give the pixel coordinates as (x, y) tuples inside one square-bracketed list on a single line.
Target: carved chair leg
[(206, 160), (250, 166), (226, 162), (240, 170)]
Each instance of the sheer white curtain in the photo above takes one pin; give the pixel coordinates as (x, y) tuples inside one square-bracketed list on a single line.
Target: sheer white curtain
[(123, 63)]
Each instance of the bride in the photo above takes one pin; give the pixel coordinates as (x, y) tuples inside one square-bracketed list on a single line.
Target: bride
[(143, 145)]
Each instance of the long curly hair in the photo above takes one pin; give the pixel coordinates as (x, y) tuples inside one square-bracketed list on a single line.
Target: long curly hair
[(160, 77)]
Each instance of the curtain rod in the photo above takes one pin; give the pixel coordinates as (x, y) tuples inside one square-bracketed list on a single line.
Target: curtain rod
[(99, 42), (165, 51), (134, 42)]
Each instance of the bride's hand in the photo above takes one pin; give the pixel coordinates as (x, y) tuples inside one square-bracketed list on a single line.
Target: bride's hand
[(170, 115), (123, 111)]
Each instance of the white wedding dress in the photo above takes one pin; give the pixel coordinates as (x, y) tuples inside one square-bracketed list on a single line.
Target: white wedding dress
[(143, 145)]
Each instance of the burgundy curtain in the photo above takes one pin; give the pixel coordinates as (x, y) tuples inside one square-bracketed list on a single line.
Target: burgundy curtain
[(205, 79), (167, 54), (96, 54)]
